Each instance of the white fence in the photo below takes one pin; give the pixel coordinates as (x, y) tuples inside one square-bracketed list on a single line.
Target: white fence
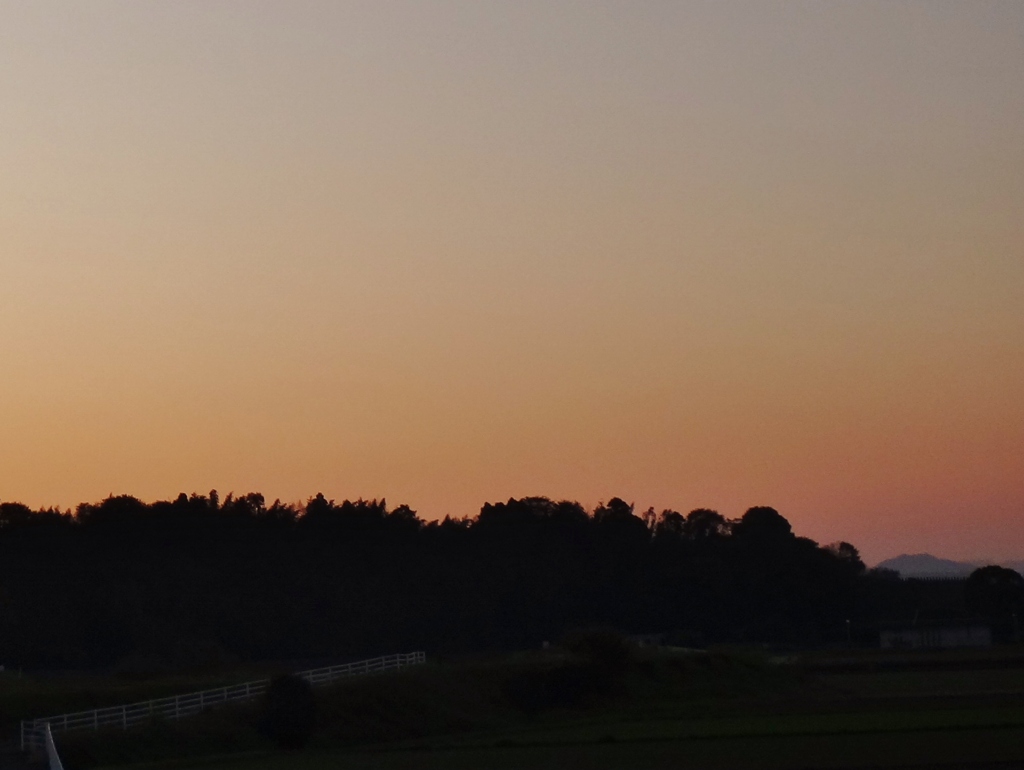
[(33, 731), (52, 757)]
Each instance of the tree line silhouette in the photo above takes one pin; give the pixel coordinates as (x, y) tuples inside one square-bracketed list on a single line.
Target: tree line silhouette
[(199, 580)]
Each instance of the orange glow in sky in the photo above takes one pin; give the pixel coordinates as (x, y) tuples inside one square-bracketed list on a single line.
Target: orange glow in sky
[(690, 254)]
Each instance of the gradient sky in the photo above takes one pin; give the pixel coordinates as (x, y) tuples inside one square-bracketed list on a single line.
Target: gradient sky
[(709, 254)]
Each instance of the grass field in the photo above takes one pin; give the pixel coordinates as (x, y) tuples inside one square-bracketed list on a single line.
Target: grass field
[(724, 710), (890, 750), (897, 684)]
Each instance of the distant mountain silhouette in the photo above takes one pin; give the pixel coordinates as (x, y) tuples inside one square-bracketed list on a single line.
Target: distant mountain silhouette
[(926, 565)]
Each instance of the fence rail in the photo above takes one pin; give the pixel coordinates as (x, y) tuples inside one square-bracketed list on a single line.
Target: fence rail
[(33, 731)]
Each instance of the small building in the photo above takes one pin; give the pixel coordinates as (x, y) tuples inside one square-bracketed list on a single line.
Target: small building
[(937, 637)]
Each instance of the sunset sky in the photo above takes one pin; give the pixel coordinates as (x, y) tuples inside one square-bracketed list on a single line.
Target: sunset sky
[(713, 254)]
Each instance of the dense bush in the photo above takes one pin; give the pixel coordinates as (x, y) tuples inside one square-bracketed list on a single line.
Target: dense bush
[(595, 666), (289, 712)]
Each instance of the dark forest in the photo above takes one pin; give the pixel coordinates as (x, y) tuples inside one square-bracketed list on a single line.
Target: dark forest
[(202, 581)]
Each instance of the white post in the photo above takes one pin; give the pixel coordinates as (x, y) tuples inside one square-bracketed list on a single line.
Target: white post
[(51, 750)]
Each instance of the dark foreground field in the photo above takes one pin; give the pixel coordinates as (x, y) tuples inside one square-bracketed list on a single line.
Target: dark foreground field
[(659, 709), (931, 749)]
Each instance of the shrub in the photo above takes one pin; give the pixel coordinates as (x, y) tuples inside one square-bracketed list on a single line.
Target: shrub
[(594, 668), (289, 712), (606, 651)]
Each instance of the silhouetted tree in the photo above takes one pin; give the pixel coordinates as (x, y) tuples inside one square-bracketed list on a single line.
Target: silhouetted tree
[(198, 579), (289, 712), (763, 525), (847, 555), (14, 515), (704, 524), (997, 595)]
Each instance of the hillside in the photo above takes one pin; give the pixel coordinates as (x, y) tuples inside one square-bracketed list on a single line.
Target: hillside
[(926, 565)]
